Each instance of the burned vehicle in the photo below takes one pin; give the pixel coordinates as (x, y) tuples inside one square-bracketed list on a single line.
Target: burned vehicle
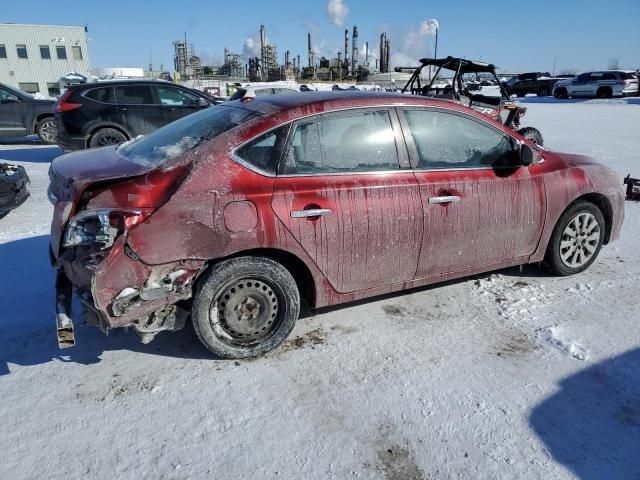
[(13, 187), (237, 214), (463, 88)]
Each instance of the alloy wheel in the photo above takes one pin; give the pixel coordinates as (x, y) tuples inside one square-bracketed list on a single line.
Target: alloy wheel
[(580, 240)]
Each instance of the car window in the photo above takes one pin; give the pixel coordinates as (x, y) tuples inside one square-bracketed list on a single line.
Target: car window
[(185, 134), (176, 96), (104, 95), (6, 96), (608, 76), (263, 152), (134, 95), (582, 78), (353, 142), (595, 76), (629, 76), (264, 92), (447, 140)]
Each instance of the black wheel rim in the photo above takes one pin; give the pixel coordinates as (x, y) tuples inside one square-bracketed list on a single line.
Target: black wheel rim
[(106, 140), (246, 311)]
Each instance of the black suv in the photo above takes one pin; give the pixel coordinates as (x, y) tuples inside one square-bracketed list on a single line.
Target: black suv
[(111, 112), (21, 115)]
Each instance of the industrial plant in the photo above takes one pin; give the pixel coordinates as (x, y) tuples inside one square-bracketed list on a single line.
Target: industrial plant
[(346, 66)]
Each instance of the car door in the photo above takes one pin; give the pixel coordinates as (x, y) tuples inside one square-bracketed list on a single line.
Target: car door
[(579, 85), (11, 106), (480, 207), (347, 195), (136, 109), (175, 102)]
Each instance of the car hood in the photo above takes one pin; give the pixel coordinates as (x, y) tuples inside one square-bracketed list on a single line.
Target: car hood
[(70, 173)]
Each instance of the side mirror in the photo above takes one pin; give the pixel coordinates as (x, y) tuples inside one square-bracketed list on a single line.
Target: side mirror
[(528, 156), (202, 102)]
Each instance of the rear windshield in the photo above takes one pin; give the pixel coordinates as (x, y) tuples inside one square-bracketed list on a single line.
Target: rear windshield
[(182, 135)]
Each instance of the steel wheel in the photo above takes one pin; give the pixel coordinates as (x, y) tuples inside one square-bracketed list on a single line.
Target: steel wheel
[(48, 131), (580, 240), (245, 312)]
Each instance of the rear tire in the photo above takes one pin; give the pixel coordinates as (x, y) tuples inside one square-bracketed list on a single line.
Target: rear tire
[(560, 93), (47, 130), (107, 136), (245, 307), (543, 92), (532, 134), (576, 240), (604, 92)]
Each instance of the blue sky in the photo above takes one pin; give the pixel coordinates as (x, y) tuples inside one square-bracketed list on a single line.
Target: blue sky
[(514, 35)]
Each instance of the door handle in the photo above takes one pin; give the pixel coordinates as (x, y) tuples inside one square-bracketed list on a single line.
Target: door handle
[(443, 199), (312, 212)]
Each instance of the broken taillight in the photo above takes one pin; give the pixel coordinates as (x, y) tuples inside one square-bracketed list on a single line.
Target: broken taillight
[(102, 226)]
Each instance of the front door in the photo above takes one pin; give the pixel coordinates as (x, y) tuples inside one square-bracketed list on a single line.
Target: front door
[(175, 103), (11, 124), (480, 207), (346, 194)]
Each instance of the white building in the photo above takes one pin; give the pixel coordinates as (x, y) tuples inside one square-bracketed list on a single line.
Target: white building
[(34, 58)]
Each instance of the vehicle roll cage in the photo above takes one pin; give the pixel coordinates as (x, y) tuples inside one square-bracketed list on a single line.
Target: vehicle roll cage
[(459, 66)]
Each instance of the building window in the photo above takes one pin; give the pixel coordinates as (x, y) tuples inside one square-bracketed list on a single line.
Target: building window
[(45, 53), (53, 89), (29, 87), (61, 52), (3, 51), (77, 53), (22, 51)]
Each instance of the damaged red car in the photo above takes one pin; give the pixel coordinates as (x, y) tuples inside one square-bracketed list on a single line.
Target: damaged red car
[(235, 215)]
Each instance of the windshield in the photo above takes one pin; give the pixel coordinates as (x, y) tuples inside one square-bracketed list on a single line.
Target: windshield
[(182, 135)]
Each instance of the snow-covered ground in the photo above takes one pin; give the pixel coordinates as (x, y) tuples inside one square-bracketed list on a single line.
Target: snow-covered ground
[(507, 375)]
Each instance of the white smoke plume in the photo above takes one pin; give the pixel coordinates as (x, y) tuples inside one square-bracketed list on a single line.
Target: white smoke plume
[(429, 26), (337, 12), (414, 44), (251, 47)]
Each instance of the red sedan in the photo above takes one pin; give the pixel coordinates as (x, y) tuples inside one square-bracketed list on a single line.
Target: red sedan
[(236, 213)]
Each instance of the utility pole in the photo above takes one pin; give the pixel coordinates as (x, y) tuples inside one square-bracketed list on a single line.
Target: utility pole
[(555, 59)]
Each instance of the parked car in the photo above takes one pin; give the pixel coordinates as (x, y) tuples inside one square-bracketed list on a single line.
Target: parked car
[(238, 213), (603, 84), (110, 112), (540, 83), (259, 91), (21, 114)]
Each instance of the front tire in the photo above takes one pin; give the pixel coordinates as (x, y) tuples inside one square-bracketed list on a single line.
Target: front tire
[(245, 307), (576, 240), (532, 134), (47, 130), (560, 93), (107, 136)]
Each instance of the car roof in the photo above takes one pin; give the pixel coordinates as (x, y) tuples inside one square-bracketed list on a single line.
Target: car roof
[(123, 81), (327, 101)]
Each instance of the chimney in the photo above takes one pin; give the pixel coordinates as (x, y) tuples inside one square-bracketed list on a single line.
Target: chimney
[(354, 51), (262, 51), (309, 51), (381, 56), (346, 51), (366, 54)]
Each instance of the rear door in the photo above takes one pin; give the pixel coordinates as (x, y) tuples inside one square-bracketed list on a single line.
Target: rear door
[(137, 110), (11, 124), (175, 102), (346, 193), (480, 208), (579, 85)]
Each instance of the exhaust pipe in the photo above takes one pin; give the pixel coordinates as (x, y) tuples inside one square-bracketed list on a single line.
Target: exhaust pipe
[(64, 320)]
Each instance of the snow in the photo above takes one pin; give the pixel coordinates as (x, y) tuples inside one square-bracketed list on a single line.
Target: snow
[(512, 374)]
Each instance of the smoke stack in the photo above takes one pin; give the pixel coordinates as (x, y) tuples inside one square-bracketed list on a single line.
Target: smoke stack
[(381, 56), (346, 50), (386, 53), (298, 62), (263, 41), (354, 50), (366, 54), (309, 51)]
